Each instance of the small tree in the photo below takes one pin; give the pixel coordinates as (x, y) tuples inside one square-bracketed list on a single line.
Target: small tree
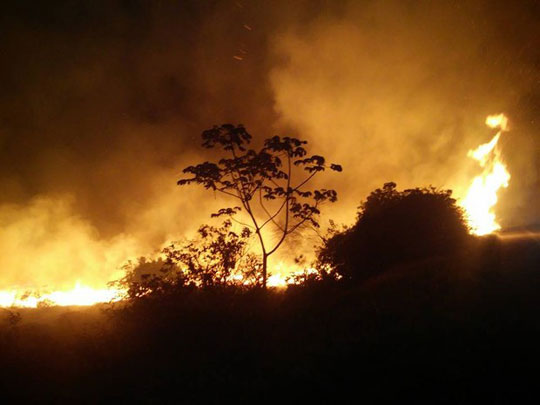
[(263, 182)]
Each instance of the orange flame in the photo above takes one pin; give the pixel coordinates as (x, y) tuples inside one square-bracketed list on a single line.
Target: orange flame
[(79, 295), (482, 196)]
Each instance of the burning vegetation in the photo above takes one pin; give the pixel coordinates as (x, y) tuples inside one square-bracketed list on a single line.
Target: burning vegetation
[(419, 282), (392, 90), (270, 197), (481, 197)]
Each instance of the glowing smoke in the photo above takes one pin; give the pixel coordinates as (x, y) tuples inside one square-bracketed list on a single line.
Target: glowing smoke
[(108, 107)]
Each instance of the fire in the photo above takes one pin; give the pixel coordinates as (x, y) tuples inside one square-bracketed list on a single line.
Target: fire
[(284, 275), (79, 295), (481, 196), (277, 276)]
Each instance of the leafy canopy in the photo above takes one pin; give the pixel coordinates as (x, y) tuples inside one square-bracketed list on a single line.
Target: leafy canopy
[(261, 182)]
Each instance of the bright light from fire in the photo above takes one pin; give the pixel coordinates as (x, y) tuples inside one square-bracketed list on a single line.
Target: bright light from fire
[(482, 197), (478, 203), (79, 295), (284, 275), (277, 278)]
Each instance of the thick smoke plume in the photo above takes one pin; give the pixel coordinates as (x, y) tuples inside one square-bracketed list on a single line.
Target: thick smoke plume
[(102, 104), (400, 90)]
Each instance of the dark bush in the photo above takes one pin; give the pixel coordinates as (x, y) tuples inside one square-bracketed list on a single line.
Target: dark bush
[(395, 227), (216, 257)]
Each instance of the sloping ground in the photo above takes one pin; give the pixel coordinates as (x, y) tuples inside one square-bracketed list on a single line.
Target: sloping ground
[(445, 330)]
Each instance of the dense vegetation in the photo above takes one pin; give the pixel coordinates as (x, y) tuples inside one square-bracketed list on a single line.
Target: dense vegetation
[(442, 317), (395, 227)]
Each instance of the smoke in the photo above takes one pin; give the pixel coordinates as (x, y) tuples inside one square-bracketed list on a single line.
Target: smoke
[(102, 104), (45, 243), (399, 90)]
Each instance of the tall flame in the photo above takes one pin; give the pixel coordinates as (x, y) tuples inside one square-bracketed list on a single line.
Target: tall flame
[(481, 196)]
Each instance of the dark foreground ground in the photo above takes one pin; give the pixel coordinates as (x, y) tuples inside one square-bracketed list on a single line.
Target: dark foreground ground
[(445, 330)]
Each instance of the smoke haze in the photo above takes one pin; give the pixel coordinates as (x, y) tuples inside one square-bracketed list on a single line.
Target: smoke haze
[(102, 104)]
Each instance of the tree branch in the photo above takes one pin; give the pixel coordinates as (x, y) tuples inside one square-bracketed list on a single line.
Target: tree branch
[(270, 216), (307, 218), (228, 193), (287, 201), (241, 223), (305, 181)]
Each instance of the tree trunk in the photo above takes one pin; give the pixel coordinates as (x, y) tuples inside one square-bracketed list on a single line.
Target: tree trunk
[(265, 261)]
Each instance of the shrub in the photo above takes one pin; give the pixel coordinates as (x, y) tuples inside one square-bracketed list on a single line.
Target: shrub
[(395, 227), (216, 257)]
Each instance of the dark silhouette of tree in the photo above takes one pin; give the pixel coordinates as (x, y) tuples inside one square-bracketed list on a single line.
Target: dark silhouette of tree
[(395, 227), (264, 183), (216, 257)]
